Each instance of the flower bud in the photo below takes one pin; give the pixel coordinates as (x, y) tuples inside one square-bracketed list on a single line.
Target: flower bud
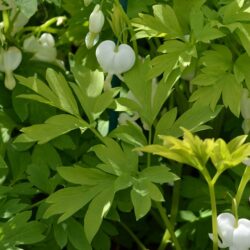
[(96, 20), (91, 39), (87, 2)]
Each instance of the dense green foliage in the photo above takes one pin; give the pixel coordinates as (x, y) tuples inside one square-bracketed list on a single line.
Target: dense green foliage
[(76, 169)]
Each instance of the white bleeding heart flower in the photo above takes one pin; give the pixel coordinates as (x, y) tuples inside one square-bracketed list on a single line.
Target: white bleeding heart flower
[(236, 237), (96, 20), (115, 60), (42, 48), (9, 60)]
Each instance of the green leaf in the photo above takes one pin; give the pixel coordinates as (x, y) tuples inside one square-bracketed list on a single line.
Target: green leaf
[(229, 100), (84, 176), (159, 174), (59, 85), (53, 127), (69, 200), (27, 7), (165, 123), (130, 133), (241, 65), (141, 202), (97, 210), (203, 32), (163, 23), (38, 175), (117, 161), (177, 54), (185, 6), (18, 231), (77, 235), (192, 119), (61, 234), (154, 192)]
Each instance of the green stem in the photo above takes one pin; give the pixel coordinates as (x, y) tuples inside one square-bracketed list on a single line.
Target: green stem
[(165, 240), (168, 225), (244, 180), (176, 197), (6, 21), (149, 142), (132, 32), (214, 215), (133, 236), (101, 138)]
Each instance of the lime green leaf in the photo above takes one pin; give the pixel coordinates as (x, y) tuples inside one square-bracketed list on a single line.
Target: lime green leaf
[(46, 94), (83, 176), (97, 210), (159, 174), (177, 54), (186, 6), (60, 87), (141, 202), (54, 127), (154, 192), (163, 23)]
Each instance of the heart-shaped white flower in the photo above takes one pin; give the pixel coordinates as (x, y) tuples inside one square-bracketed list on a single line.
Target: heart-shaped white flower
[(115, 60), (9, 60), (234, 237), (43, 48)]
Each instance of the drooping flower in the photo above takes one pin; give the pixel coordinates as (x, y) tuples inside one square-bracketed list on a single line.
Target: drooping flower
[(115, 60), (9, 60), (43, 48), (96, 22), (235, 235)]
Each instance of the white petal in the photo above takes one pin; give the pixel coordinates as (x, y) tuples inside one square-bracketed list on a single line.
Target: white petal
[(96, 20), (46, 54), (31, 44), (226, 228), (11, 59), (220, 244), (124, 59), (105, 55), (9, 81), (241, 237), (47, 40)]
